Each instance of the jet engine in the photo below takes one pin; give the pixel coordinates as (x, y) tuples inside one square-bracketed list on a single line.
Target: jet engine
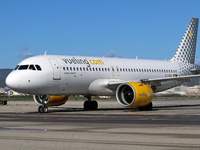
[(47, 100), (133, 94)]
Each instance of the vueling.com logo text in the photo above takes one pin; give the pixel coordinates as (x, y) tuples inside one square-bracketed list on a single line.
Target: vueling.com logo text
[(96, 62), (74, 60)]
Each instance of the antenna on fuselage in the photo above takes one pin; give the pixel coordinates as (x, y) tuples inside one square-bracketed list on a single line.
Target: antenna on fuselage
[(45, 53), (136, 57)]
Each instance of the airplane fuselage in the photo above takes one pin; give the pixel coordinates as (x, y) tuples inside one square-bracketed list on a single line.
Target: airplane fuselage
[(71, 75)]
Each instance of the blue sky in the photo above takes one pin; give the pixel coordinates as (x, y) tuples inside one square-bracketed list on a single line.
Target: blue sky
[(149, 29)]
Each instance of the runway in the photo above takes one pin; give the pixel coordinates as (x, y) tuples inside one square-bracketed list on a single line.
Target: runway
[(172, 124)]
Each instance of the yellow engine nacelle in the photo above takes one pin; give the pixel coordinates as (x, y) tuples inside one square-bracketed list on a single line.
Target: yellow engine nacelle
[(133, 94), (50, 100)]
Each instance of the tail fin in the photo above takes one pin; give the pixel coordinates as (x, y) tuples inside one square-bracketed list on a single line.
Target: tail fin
[(187, 48)]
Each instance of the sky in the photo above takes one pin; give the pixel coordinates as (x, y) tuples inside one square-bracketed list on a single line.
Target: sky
[(147, 29)]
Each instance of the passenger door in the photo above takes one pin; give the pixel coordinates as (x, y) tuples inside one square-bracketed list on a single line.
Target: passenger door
[(56, 69)]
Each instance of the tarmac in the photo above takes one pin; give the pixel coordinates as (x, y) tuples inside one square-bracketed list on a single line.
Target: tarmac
[(172, 124)]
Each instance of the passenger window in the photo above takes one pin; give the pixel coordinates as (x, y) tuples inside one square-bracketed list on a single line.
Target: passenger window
[(23, 67), (63, 68), (38, 67), (31, 67), (83, 68), (105, 69)]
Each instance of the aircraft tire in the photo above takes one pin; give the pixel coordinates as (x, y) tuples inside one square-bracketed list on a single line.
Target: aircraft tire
[(45, 109), (40, 109), (90, 105), (141, 108), (86, 105), (93, 105), (148, 107)]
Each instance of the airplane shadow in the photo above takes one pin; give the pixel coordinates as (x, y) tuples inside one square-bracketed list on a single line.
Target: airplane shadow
[(157, 108)]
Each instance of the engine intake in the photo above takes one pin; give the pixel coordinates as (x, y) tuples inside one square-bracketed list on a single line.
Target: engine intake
[(133, 94), (50, 100)]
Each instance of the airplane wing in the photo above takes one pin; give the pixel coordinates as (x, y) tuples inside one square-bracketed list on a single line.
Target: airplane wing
[(113, 84), (179, 78)]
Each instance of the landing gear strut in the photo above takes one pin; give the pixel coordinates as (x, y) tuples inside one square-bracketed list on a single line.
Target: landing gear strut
[(89, 104), (43, 109)]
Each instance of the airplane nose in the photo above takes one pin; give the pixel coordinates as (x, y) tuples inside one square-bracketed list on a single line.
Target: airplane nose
[(11, 81)]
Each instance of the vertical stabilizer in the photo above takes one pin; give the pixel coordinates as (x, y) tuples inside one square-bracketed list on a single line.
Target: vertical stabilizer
[(187, 48)]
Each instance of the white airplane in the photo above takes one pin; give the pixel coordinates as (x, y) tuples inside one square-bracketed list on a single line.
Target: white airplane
[(51, 78)]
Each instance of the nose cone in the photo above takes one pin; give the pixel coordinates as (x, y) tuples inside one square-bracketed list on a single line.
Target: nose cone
[(11, 81)]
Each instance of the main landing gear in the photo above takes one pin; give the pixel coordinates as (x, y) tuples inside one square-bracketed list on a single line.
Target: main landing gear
[(43, 109), (89, 104), (148, 107)]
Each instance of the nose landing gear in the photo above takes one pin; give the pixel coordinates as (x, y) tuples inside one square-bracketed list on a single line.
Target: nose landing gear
[(43, 109)]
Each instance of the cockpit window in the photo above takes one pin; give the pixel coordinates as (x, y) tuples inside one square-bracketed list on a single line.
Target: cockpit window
[(38, 67), (23, 67), (31, 67), (16, 67)]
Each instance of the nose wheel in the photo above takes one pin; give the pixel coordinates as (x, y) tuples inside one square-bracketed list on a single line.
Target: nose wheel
[(43, 109)]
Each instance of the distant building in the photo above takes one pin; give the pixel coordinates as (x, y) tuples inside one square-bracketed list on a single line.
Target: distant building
[(2, 91), (194, 90), (182, 90), (8, 92)]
